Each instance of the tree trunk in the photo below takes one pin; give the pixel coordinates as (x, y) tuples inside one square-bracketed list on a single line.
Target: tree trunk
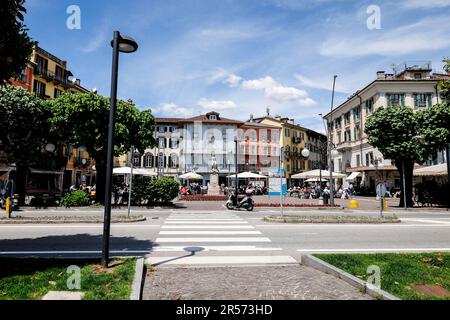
[(21, 181), (409, 168)]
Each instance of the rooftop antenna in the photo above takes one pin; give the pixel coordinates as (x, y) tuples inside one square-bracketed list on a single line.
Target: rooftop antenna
[(268, 111)]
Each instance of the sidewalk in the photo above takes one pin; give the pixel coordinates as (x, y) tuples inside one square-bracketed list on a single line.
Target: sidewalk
[(247, 283)]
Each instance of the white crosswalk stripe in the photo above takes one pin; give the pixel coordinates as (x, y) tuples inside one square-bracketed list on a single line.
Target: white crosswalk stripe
[(213, 239)]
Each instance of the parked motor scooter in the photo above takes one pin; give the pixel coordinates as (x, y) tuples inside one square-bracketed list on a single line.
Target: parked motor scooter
[(246, 203)]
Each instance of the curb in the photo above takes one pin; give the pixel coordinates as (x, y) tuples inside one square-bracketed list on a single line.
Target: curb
[(286, 219), (136, 287), (62, 221), (371, 290)]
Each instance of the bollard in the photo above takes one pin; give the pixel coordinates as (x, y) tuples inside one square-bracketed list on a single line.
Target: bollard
[(353, 204), (8, 208)]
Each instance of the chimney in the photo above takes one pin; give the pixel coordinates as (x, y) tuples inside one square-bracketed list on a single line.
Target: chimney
[(292, 121), (252, 118), (381, 75), (278, 118)]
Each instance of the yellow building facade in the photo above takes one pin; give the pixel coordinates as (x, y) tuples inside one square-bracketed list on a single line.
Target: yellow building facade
[(293, 139)]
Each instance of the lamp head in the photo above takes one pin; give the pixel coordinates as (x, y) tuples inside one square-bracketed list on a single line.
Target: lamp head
[(126, 44)]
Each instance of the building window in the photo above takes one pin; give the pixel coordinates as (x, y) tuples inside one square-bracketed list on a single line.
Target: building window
[(369, 158), (357, 133), (162, 129), (417, 76), (369, 106), (23, 76), (173, 161), (287, 133), (137, 160), (212, 117), (148, 161), (173, 129), (57, 93), (162, 143), (395, 99), (347, 118), (338, 123), (39, 88), (173, 143), (357, 114), (358, 160), (347, 136), (422, 100)]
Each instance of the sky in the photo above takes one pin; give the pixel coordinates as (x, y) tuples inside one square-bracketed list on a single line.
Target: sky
[(240, 57)]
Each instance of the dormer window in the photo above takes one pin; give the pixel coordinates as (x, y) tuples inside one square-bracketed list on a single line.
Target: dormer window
[(212, 117)]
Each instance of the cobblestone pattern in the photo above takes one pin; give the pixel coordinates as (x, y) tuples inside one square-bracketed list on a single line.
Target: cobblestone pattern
[(247, 283)]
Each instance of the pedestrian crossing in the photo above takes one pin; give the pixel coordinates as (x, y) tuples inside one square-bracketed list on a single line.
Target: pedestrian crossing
[(216, 239)]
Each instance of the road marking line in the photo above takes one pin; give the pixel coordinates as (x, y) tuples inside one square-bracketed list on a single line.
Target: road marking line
[(197, 260), (216, 248), (194, 240), (207, 222), (377, 250), (425, 220), (183, 220), (71, 252), (206, 227), (210, 233)]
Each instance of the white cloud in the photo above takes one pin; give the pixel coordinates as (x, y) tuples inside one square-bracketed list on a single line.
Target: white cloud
[(425, 4), (233, 80), (322, 84), (172, 110), (211, 105), (428, 34), (278, 92)]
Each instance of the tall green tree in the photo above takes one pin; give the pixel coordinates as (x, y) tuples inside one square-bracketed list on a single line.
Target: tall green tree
[(82, 120), (25, 130), (15, 44), (393, 131)]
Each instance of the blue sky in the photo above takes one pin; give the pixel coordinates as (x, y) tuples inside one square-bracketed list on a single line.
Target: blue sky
[(238, 57)]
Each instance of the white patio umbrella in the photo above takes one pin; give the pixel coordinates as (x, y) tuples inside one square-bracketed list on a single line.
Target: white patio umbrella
[(316, 174), (316, 180), (248, 175), (136, 172), (191, 176)]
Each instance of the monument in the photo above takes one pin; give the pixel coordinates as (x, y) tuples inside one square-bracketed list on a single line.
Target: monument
[(213, 186)]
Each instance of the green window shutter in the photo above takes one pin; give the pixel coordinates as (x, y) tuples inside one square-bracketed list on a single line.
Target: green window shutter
[(430, 101), (402, 97), (416, 100), (389, 101)]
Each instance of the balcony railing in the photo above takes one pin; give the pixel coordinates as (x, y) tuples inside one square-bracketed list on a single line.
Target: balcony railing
[(51, 76)]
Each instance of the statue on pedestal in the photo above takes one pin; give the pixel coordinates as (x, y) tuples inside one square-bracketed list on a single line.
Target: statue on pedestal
[(213, 187)]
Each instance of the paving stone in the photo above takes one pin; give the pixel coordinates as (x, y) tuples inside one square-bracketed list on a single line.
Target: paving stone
[(63, 295), (247, 283)]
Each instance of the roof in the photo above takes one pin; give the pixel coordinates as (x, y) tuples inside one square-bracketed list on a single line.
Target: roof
[(204, 119), (259, 125), (168, 120), (434, 78), (432, 171), (296, 126)]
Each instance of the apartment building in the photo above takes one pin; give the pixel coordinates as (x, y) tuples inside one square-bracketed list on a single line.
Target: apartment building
[(189, 144), (294, 138), (48, 77), (412, 85)]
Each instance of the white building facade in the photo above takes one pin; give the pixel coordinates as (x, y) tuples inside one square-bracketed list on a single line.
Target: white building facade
[(413, 86)]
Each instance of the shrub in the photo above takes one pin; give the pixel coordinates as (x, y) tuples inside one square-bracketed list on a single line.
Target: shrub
[(151, 190), (75, 199)]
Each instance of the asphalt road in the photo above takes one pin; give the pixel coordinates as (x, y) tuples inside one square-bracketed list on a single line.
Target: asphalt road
[(227, 238)]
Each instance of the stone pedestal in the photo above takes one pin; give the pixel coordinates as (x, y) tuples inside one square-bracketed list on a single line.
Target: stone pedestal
[(213, 187)]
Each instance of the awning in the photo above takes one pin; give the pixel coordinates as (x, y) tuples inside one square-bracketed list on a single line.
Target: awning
[(38, 171), (248, 175), (432, 171), (353, 176)]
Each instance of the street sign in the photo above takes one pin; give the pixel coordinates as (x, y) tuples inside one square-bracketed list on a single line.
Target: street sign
[(381, 190), (275, 187)]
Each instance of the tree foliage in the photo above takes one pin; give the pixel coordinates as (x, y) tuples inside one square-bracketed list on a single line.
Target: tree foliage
[(25, 130), (82, 120), (444, 85), (15, 44)]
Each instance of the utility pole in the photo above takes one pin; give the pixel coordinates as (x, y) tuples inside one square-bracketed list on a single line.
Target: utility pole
[(330, 160)]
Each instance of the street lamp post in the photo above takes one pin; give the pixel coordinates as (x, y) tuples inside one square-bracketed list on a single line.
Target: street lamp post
[(330, 160), (236, 168), (126, 45)]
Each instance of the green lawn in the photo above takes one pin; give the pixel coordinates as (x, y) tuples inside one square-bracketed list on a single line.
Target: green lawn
[(32, 279), (399, 272)]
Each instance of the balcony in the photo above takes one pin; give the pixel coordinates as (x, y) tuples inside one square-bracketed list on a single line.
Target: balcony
[(51, 76), (344, 146)]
